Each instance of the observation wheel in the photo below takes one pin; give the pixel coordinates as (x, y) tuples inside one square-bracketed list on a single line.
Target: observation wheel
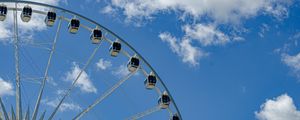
[(63, 65)]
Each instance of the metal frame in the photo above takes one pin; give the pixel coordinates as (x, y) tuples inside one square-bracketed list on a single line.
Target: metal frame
[(106, 30), (17, 66), (46, 72)]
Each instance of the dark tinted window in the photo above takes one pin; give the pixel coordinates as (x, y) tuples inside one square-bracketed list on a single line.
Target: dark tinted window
[(116, 46), (135, 61), (27, 11), (165, 98), (51, 15), (175, 118), (3, 10), (75, 23), (152, 79), (97, 33)]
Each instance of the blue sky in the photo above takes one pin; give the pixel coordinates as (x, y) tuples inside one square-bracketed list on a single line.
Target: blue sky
[(226, 60)]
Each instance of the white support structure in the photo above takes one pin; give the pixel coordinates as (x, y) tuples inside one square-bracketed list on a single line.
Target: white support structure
[(13, 115), (36, 109), (4, 110), (105, 95), (27, 115), (18, 84), (145, 113), (43, 116)]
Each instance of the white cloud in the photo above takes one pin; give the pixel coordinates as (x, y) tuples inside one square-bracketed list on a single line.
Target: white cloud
[(206, 35), (218, 10), (263, 29), (84, 82), (293, 62), (65, 106), (103, 64), (107, 9), (60, 92), (51, 81), (121, 71), (212, 12), (183, 48), (6, 88), (296, 36), (280, 108)]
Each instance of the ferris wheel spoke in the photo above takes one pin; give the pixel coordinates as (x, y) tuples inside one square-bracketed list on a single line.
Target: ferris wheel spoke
[(27, 114), (36, 109), (145, 113), (4, 110), (104, 96), (17, 67), (13, 115), (42, 116), (68, 92)]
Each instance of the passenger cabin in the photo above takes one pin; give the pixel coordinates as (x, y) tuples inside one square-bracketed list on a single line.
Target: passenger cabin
[(26, 13), (96, 36), (3, 12), (150, 81), (115, 48), (164, 101), (133, 64), (74, 25), (50, 18)]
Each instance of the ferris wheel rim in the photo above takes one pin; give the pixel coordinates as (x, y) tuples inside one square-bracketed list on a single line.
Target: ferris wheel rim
[(110, 32)]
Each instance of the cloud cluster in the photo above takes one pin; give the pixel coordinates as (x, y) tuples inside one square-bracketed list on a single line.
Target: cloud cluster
[(103, 64), (213, 12), (218, 10), (293, 62), (121, 71), (65, 106), (6, 88), (183, 48), (204, 35), (84, 82), (280, 108)]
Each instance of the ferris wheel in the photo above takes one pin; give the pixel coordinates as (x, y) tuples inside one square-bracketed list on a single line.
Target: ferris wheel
[(37, 65)]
